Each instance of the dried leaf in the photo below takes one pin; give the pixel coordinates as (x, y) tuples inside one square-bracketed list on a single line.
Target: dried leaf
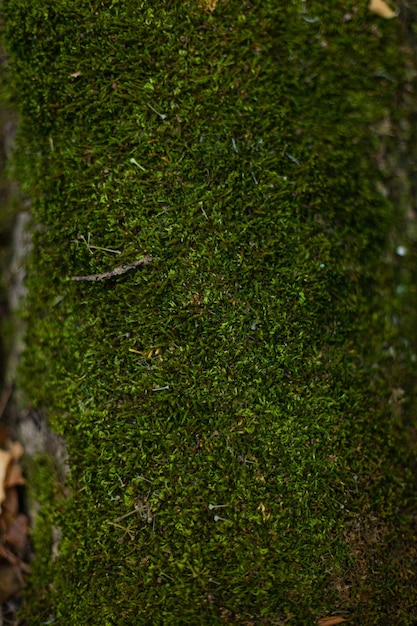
[(17, 534), (16, 449), (10, 504), (14, 475), (3, 432), (5, 459), (11, 581), (330, 621), (4, 522), (381, 8)]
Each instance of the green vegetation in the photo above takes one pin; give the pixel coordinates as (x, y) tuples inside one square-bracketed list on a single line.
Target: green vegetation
[(233, 409)]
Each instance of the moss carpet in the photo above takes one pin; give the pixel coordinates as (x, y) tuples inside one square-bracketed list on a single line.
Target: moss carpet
[(234, 425)]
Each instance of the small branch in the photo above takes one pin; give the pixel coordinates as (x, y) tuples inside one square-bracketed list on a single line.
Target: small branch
[(117, 271), (91, 247)]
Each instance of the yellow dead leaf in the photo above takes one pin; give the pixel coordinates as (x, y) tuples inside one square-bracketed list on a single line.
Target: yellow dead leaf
[(330, 621), (381, 8)]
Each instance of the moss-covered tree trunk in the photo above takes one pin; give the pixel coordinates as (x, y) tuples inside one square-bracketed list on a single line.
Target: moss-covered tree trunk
[(234, 409)]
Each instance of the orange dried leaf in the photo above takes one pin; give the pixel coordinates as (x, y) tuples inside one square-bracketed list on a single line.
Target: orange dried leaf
[(3, 433), (14, 475), (330, 621), (16, 449), (4, 522), (381, 8), (5, 459), (11, 502)]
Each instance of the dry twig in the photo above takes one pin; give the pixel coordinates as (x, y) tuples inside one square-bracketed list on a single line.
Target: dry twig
[(117, 271)]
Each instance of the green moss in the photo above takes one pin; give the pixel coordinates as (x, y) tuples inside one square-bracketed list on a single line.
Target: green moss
[(44, 488), (249, 364)]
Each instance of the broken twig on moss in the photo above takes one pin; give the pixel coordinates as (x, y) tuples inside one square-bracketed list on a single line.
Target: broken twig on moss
[(117, 271)]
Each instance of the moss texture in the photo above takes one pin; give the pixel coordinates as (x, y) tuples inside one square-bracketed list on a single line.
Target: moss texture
[(235, 437)]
